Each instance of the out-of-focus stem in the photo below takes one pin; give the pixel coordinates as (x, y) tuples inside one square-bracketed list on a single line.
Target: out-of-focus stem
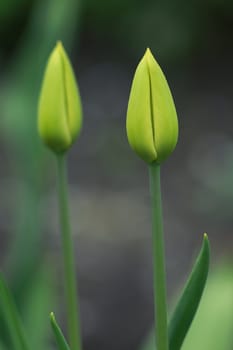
[(68, 257)]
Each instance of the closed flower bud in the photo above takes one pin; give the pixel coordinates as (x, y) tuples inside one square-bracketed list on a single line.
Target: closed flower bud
[(152, 126), (60, 111)]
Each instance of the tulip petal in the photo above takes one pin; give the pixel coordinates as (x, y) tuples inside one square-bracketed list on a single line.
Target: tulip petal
[(60, 111), (73, 102), (53, 125), (152, 125), (139, 123), (165, 123)]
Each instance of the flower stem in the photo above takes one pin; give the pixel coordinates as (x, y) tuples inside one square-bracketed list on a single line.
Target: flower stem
[(160, 303), (71, 295)]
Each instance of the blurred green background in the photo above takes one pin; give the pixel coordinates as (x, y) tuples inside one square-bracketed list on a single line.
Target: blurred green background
[(192, 41)]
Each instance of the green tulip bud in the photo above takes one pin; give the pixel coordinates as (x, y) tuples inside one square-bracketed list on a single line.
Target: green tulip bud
[(60, 111), (152, 125)]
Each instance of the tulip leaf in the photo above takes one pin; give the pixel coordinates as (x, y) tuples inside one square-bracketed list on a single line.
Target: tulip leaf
[(212, 326), (60, 339), (188, 303), (12, 318)]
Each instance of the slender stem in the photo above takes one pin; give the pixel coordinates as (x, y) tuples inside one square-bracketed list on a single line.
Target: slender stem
[(160, 303), (68, 256)]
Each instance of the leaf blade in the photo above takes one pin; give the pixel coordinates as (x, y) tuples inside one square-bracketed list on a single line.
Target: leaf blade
[(12, 318), (188, 303), (60, 339)]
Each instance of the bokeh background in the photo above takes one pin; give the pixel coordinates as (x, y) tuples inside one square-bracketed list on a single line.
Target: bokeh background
[(110, 203)]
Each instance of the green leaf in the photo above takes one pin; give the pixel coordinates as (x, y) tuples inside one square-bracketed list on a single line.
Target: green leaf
[(188, 303), (60, 339), (12, 318), (212, 326)]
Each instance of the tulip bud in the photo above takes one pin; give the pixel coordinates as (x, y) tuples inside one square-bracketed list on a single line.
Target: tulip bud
[(152, 126), (60, 111)]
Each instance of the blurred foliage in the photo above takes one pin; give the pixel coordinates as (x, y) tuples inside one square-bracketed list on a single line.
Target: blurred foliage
[(17, 334), (48, 21), (172, 29), (9, 9)]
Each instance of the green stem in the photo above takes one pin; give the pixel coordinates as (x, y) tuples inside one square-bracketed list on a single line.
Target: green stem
[(68, 256), (160, 303)]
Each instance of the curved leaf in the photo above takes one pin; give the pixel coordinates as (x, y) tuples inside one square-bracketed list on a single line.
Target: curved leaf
[(212, 326), (12, 318), (188, 303), (60, 339)]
